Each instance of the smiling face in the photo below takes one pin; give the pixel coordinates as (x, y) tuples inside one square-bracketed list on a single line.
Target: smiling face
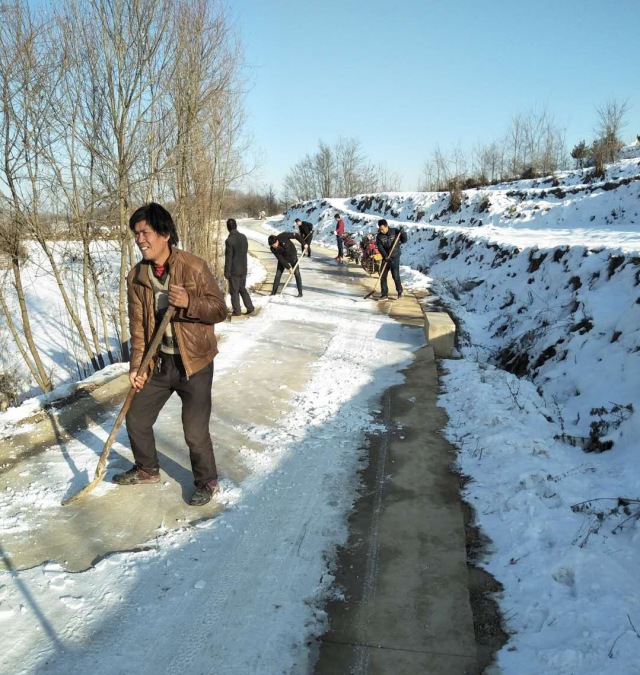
[(153, 246)]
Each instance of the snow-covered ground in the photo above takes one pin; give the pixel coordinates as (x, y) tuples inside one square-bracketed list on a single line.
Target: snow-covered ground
[(544, 278)]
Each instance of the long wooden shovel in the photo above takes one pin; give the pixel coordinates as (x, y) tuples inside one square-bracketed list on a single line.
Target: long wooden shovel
[(100, 469), (386, 263)]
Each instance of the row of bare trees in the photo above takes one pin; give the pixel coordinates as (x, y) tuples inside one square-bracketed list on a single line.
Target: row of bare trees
[(342, 169), (106, 104), (533, 145)]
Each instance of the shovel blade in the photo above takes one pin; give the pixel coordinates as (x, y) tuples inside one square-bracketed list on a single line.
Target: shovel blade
[(85, 490)]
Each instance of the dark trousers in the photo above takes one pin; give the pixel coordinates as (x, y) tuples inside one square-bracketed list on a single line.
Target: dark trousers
[(195, 393), (394, 267), (238, 289), (307, 241), (276, 280), (340, 246)]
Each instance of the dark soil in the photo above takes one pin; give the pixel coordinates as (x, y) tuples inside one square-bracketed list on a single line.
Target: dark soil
[(487, 620)]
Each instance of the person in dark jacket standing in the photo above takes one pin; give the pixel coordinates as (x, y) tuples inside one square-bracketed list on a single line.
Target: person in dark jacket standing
[(306, 232), (339, 232), (390, 255), (284, 249), (168, 276), (235, 268)]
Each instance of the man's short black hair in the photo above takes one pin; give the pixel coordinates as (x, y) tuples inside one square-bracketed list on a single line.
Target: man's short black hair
[(337, 215), (157, 218), (382, 221), (272, 239), (231, 224), (297, 220)]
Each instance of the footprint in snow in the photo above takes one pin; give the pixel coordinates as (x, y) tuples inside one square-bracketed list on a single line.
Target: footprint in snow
[(71, 601)]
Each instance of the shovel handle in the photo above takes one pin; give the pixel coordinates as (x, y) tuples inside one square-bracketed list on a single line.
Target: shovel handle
[(295, 267), (150, 353)]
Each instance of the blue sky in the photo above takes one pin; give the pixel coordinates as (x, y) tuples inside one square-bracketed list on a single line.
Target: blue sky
[(405, 76)]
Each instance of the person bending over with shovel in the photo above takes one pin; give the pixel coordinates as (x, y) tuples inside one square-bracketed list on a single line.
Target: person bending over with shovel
[(169, 277), (388, 242), (306, 232), (285, 252)]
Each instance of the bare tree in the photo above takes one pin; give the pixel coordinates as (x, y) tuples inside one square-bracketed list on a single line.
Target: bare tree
[(437, 171), (611, 121), (24, 94), (300, 182), (339, 170), (488, 163), (325, 170), (109, 103), (32, 113), (12, 247), (207, 102), (120, 52), (535, 144), (387, 181), (514, 142), (356, 174)]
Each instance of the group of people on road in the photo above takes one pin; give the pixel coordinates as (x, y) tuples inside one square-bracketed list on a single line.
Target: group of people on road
[(167, 276)]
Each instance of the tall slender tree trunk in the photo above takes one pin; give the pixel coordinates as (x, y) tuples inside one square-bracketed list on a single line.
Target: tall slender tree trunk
[(122, 281), (103, 315), (86, 286), (21, 348), (42, 377)]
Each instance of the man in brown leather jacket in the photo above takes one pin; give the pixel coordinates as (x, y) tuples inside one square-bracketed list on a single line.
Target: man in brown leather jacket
[(167, 276)]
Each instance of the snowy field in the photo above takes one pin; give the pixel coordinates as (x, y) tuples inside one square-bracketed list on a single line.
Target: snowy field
[(544, 279)]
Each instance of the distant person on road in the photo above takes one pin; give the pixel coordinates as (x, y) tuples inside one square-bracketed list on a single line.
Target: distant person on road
[(284, 249), (167, 276), (339, 232), (385, 240), (306, 232), (235, 268)]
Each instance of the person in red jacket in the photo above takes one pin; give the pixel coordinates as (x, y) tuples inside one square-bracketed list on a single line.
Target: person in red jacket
[(339, 232)]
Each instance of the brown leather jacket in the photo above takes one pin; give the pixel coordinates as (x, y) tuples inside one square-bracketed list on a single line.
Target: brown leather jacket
[(193, 326)]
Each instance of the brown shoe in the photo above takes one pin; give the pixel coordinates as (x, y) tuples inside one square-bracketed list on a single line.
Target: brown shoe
[(137, 476), (203, 494)]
